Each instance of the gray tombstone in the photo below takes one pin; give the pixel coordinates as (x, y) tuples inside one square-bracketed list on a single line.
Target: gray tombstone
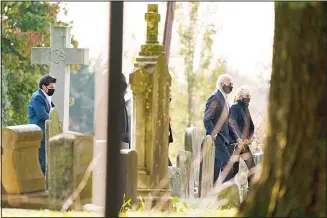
[(193, 144), (175, 177), (53, 127), (99, 173), (184, 162), (128, 173), (207, 167), (71, 155), (229, 196)]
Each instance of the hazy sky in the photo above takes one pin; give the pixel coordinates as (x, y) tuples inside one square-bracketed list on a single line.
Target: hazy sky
[(245, 39)]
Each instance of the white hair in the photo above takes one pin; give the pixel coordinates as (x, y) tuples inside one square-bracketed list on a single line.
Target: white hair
[(222, 78), (243, 90)]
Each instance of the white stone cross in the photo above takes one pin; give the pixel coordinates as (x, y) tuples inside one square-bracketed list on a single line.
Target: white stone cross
[(59, 56)]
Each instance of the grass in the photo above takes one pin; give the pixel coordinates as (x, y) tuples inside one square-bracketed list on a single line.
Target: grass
[(10, 212)]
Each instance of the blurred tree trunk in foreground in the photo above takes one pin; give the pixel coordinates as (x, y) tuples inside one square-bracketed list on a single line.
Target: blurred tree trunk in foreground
[(293, 180)]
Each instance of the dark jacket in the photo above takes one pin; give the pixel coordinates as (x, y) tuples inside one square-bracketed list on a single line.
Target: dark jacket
[(214, 112), (38, 109), (124, 122), (241, 120)]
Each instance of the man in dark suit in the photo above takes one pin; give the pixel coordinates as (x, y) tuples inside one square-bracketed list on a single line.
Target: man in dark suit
[(216, 123), (124, 136), (39, 109)]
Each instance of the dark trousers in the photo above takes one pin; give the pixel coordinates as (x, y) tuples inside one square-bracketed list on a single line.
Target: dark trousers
[(222, 157), (42, 156), (246, 155)]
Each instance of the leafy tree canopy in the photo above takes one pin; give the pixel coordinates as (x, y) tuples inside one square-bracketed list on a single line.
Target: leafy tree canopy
[(24, 25)]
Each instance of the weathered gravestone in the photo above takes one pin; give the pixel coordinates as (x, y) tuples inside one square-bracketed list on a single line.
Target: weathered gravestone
[(229, 195), (128, 173), (20, 163), (150, 82), (99, 173), (22, 179), (193, 145), (207, 167), (184, 162), (175, 176), (59, 56), (71, 155), (53, 127)]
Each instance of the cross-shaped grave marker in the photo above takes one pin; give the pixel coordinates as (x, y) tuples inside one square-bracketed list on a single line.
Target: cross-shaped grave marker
[(59, 56)]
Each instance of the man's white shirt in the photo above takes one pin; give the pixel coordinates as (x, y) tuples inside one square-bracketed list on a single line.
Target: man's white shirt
[(225, 97), (48, 98)]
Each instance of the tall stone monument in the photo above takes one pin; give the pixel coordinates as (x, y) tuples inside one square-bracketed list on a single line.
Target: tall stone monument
[(150, 82)]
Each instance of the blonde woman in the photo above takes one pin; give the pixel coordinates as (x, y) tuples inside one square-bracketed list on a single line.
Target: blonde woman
[(240, 119)]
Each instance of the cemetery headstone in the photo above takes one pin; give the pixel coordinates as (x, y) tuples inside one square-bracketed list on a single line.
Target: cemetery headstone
[(184, 162), (71, 155), (207, 167), (193, 144), (20, 163), (175, 175), (59, 56), (128, 173), (150, 82), (229, 196), (99, 173), (53, 127)]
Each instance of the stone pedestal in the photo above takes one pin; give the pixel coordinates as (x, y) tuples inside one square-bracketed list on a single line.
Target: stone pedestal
[(150, 82), (20, 162)]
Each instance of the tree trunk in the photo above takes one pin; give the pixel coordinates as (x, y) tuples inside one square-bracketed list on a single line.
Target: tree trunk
[(168, 28), (293, 179)]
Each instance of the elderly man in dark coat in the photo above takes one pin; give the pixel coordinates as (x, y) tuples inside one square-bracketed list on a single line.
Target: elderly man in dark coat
[(216, 123)]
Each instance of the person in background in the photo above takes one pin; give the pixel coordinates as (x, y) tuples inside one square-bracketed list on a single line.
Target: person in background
[(216, 124), (124, 136), (39, 108), (241, 120), (170, 137)]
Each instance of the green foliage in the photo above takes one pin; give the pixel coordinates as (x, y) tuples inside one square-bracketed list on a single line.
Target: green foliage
[(82, 88), (192, 87), (179, 206), (24, 25), (126, 205)]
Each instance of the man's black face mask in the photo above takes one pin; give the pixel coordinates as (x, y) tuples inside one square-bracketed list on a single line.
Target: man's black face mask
[(50, 92), (227, 89)]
